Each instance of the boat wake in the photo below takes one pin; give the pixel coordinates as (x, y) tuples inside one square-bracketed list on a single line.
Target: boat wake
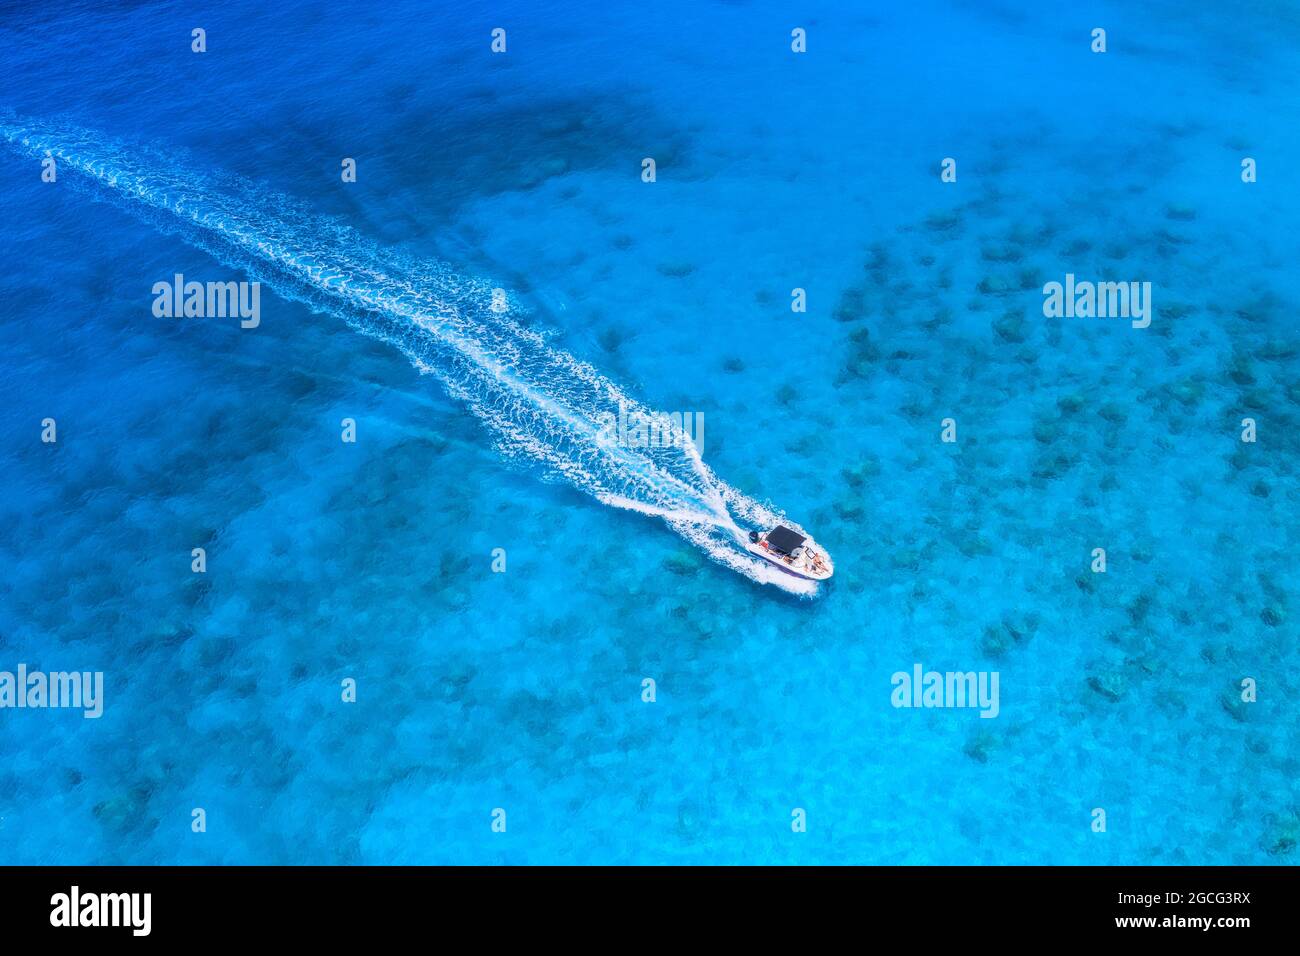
[(540, 403)]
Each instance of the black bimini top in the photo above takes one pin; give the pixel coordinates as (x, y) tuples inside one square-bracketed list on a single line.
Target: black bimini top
[(784, 540)]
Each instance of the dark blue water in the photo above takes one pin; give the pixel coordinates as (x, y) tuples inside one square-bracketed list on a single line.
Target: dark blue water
[(522, 690)]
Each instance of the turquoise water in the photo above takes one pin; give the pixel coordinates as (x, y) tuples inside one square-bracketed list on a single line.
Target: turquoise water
[(522, 690)]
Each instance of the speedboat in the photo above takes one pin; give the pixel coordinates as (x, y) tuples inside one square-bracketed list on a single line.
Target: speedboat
[(792, 552)]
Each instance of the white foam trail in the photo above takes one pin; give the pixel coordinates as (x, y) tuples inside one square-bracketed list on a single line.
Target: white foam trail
[(541, 403)]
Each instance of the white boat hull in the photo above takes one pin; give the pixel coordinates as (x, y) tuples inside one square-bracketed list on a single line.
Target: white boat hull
[(803, 567)]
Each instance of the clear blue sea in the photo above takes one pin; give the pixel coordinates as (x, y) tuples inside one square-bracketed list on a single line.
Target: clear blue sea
[(372, 561)]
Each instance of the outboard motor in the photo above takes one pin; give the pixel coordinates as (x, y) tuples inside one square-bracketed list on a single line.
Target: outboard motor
[(753, 537)]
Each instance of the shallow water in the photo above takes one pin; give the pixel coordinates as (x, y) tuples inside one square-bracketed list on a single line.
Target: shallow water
[(522, 690)]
